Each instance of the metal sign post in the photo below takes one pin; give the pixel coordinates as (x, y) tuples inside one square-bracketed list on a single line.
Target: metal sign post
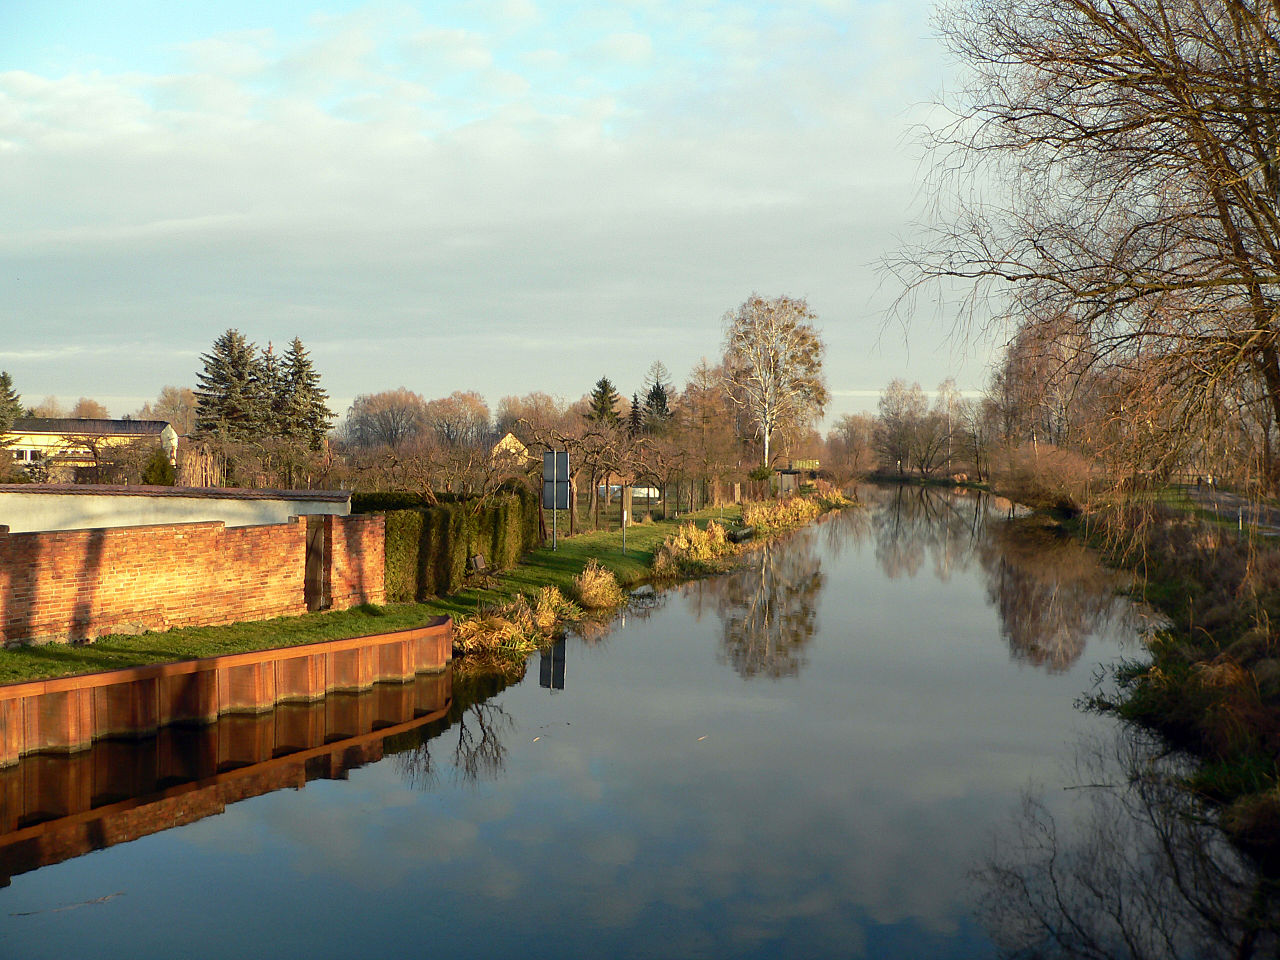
[(555, 486)]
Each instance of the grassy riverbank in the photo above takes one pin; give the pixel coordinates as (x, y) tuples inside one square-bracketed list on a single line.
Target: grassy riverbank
[(543, 567)]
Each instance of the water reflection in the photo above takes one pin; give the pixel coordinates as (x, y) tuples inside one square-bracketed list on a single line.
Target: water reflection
[(1139, 871), (918, 523), (57, 806), (1050, 592), (768, 608), (471, 738)]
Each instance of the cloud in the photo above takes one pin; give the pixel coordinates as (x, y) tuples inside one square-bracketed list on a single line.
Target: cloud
[(392, 178), (630, 48)]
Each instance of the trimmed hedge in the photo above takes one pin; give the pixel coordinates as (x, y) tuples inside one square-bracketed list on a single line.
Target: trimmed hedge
[(427, 547)]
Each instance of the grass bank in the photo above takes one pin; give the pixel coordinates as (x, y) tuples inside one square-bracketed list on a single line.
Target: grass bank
[(542, 567)]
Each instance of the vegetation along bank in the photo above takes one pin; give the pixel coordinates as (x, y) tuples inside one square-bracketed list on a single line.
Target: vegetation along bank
[(499, 618)]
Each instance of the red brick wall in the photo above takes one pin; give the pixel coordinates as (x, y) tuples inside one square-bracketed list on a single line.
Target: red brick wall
[(354, 546), (80, 584)]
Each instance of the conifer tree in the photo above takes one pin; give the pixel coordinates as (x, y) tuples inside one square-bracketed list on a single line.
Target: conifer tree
[(228, 401), (269, 395), (10, 402), (635, 420), (305, 411), (604, 402), (657, 410)]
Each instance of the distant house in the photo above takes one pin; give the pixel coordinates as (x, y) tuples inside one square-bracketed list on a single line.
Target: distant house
[(66, 449), (510, 448)]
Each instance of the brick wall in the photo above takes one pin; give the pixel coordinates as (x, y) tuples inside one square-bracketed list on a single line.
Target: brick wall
[(81, 584), (354, 546)]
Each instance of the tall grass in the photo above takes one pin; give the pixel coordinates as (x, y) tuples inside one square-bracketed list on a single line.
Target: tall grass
[(692, 551), (510, 631), (596, 588)]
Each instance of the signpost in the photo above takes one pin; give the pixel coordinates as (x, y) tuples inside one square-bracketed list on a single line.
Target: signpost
[(555, 485)]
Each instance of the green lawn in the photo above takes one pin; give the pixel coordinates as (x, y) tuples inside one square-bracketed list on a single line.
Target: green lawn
[(540, 568)]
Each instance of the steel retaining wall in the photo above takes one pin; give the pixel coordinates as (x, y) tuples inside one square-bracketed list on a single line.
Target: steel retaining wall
[(67, 714)]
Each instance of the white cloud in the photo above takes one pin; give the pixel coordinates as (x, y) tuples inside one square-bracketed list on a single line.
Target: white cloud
[(337, 187), (628, 47)]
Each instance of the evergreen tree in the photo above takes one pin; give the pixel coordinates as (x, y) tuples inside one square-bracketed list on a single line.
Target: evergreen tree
[(305, 411), (268, 391), (604, 402), (657, 410), (228, 397), (635, 420), (10, 402)]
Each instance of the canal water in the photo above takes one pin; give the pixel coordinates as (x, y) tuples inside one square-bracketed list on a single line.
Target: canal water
[(866, 742)]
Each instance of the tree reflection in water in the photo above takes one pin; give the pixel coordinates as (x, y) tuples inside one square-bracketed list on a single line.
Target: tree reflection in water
[(1140, 872), (915, 523), (477, 723), (1051, 594), (768, 607)]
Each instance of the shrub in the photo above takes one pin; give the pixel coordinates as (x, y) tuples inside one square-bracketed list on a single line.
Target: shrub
[(597, 588), (158, 470), (516, 628)]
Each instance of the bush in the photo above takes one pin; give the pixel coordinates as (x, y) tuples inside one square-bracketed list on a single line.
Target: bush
[(514, 629), (780, 514), (158, 470)]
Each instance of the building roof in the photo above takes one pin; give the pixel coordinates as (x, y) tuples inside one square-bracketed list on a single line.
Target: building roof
[(70, 426), (146, 490)]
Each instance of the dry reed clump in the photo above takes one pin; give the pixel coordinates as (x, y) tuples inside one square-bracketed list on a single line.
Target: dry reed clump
[(1219, 673), (833, 500), (597, 588), (691, 550), (514, 629), (780, 514)]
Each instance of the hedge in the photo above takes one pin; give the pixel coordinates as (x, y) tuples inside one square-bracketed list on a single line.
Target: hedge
[(427, 548)]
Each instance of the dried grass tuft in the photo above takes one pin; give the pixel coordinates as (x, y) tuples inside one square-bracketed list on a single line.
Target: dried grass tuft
[(597, 588)]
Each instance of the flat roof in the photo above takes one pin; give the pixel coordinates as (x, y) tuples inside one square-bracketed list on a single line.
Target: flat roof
[(147, 490), (87, 427)]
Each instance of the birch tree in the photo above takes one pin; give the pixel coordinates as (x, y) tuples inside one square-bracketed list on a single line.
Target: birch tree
[(773, 364)]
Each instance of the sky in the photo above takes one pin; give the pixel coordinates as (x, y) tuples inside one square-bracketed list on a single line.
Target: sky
[(500, 196)]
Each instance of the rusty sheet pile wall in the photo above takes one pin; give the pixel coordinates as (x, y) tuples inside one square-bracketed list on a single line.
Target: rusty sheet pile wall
[(70, 713)]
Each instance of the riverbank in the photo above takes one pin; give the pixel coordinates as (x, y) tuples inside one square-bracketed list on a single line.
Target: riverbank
[(541, 568), (1210, 685)]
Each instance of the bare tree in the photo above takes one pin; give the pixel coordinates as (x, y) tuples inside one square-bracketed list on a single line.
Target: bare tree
[(177, 405), (391, 418), (1140, 228), (902, 408), (849, 445), (460, 419), (49, 407), (88, 409), (773, 364)]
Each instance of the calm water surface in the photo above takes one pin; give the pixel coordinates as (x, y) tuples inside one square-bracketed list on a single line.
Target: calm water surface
[(813, 757)]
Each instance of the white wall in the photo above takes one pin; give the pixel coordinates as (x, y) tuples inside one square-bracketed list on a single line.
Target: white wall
[(30, 512)]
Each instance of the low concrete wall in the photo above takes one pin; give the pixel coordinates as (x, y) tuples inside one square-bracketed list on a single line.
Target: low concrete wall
[(70, 713), (26, 508)]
